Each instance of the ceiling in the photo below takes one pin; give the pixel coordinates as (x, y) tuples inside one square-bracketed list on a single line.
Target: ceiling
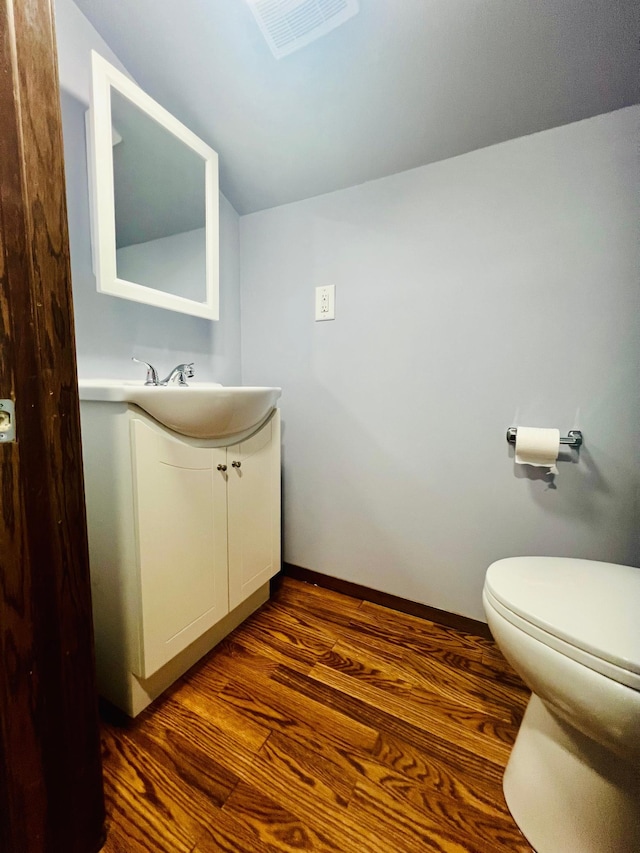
[(402, 84)]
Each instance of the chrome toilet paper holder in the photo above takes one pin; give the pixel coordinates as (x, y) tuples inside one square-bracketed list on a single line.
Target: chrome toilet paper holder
[(572, 439)]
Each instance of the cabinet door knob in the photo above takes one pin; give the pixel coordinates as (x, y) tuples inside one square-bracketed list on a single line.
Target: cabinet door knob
[(222, 467), (236, 464)]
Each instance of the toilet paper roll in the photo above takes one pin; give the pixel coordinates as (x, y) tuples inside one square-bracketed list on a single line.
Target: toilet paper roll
[(538, 447)]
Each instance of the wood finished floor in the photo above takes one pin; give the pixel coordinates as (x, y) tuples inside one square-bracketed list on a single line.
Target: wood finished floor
[(323, 723)]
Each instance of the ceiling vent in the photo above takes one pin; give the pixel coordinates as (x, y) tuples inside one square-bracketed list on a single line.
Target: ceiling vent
[(288, 25)]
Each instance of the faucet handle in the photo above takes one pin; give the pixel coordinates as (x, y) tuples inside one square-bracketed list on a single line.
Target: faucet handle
[(152, 373)]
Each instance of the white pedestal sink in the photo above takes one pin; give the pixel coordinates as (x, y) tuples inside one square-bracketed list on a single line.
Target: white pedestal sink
[(200, 410)]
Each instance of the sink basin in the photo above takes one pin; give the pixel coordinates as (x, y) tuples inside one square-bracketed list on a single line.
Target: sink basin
[(201, 410)]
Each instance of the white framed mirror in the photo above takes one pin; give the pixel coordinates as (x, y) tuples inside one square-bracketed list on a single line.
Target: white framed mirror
[(154, 200)]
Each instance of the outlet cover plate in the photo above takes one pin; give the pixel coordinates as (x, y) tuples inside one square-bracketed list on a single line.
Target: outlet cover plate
[(326, 302)]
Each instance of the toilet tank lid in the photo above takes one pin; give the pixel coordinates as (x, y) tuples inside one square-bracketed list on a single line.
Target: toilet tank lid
[(592, 605)]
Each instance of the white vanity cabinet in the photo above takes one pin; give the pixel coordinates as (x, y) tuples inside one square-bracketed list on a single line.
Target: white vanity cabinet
[(253, 517), (184, 536), (181, 517)]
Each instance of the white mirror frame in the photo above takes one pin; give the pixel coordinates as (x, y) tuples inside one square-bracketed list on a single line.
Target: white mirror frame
[(102, 200)]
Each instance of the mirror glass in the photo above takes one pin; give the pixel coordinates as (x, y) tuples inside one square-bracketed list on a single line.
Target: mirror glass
[(155, 200)]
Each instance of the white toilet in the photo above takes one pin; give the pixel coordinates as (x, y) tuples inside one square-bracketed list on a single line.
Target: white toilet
[(571, 630)]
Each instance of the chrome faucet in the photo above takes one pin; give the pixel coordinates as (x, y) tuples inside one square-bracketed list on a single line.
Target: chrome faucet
[(179, 375), (152, 373)]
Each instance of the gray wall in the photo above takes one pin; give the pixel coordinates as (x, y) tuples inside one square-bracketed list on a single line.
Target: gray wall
[(494, 289)]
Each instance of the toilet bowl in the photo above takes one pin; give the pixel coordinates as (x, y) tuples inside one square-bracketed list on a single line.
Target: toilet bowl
[(571, 630)]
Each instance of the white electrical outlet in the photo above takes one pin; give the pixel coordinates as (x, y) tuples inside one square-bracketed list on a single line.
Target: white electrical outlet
[(326, 302)]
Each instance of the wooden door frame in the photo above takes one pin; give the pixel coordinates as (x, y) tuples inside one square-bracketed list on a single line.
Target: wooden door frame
[(51, 796)]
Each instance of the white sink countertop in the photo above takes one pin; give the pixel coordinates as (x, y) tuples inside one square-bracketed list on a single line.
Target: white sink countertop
[(200, 410)]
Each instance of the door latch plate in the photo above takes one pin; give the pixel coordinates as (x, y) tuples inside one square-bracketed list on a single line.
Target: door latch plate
[(7, 421)]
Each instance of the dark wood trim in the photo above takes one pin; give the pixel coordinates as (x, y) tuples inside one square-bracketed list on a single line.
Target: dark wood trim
[(385, 599), (51, 796)]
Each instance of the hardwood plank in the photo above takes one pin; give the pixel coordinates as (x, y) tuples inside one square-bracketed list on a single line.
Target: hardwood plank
[(485, 675), (491, 665), (488, 675), (229, 751), (366, 665), (326, 824), (323, 605), (186, 786), (292, 760), (406, 670), (415, 623), (282, 755), (311, 595), (405, 828), (275, 826), (286, 710), (278, 654), (335, 760), (295, 779), (419, 766), (453, 815), (230, 660), (495, 731), (299, 621), (227, 834), (386, 599), (492, 656), (393, 642), (313, 802), (286, 773), (413, 776), (378, 643), (197, 769), (428, 711), (193, 782), (474, 689), (212, 678), (224, 762), (288, 642), (378, 719), (494, 663), (279, 742), (195, 696), (415, 633), (144, 804)]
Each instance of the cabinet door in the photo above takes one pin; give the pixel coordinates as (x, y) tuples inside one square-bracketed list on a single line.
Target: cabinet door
[(182, 542), (253, 491)]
